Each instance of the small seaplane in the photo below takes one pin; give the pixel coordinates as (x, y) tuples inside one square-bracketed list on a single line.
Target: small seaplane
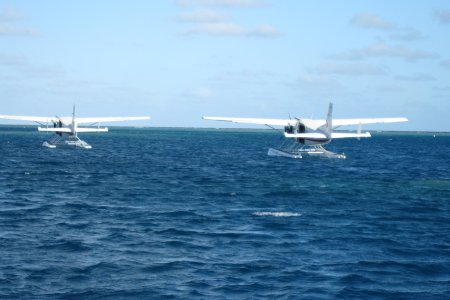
[(307, 136), (66, 128)]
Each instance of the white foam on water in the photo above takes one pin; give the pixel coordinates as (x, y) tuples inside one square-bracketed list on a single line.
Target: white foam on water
[(277, 214)]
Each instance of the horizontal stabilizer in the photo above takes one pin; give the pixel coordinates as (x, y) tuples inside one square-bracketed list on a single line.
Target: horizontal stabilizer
[(92, 129), (311, 135), (334, 135), (342, 135), (109, 119), (51, 129)]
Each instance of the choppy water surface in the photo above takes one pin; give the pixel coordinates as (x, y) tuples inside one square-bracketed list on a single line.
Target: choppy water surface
[(159, 213)]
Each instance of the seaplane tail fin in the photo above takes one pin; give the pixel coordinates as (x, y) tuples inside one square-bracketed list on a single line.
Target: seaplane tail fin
[(73, 115), (329, 122)]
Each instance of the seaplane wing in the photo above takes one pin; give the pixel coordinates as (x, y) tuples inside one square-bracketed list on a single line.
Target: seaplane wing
[(344, 122), (108, 119), (307, 135), (30, 118), (310, 123), (274, 122)]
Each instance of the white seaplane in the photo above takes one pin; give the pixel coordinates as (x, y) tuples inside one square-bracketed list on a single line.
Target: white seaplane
[(66, 128), (309, 135)]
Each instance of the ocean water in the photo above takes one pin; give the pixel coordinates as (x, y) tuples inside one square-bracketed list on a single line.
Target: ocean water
[(206, 214)]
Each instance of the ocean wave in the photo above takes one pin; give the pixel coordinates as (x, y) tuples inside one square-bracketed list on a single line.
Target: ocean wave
[(277, 214)]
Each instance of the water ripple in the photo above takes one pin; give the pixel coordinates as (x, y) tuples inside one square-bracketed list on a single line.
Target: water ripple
[(156, 213)]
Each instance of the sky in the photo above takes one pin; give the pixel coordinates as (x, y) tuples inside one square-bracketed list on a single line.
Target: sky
[(178, 60)]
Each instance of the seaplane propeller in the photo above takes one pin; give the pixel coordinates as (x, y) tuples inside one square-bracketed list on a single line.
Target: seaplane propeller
[(58, 124)]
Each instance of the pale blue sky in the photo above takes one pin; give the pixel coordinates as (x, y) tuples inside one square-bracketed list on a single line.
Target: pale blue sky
[(179, 60)]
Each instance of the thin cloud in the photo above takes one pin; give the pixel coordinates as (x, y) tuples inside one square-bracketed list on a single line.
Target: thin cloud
[(13, 60), (369, 21), (442, 88), (10, 30), (21, 65), (233, 29), (317, 86), (258, 77), (399, 51), (225, 3), (201, 92), (10, 15), (415, 77), (217, 29), (8, 27), (214, 23), (443, 16), (383, 50), (317, 82), (47, 71), (407, 34), (264, 31), (390, 88), (445, 63), (348, 69), (202, 16)]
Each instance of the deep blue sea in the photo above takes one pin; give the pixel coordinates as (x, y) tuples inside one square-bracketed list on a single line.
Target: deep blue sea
[(206, 214)]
